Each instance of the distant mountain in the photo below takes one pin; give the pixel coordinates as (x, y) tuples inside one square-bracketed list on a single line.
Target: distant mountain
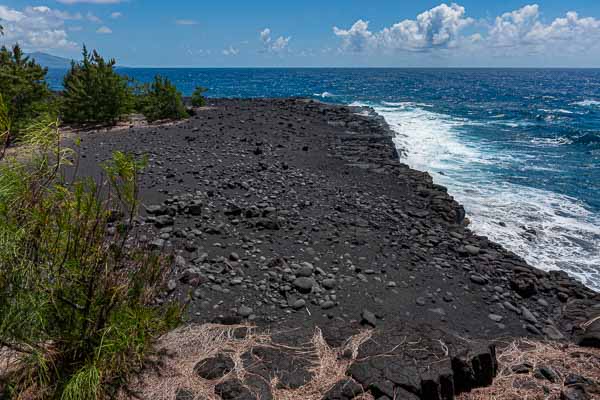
[(50, 61)]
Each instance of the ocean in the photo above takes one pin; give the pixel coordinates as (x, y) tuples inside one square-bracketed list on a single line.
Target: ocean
[(519, 148)]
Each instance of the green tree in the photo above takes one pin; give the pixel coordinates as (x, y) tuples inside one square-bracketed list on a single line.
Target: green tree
[(22, 83), (162, 100), (198, 99), (94, 92)]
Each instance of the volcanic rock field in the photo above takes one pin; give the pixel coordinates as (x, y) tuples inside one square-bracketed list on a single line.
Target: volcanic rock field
[(291, 215)]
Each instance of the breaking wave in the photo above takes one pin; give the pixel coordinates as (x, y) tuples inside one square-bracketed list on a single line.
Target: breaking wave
[(549, 230), (324, 95), (587, 103)]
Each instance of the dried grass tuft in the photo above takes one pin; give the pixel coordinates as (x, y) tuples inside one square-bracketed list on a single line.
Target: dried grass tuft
[(329, 366), (564, 359), (183, 348)]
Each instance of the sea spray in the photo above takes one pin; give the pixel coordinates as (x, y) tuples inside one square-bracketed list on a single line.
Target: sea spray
[(549, 230)]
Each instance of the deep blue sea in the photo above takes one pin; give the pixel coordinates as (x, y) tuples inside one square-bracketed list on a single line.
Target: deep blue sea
[(519, 148)]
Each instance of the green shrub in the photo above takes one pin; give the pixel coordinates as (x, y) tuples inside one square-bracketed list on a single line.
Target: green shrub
[(23, 87), (198, 99), (161, 100), (78, 309), (94, 92)]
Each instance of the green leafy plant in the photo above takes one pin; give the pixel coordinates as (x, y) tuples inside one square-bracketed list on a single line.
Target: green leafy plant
[(23, 87), (5, 124), (161, 100), (94, 92), (198, 99), (78, 294)]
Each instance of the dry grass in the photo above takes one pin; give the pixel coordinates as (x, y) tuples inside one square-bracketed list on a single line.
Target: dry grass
[(184, 348), (180, 350), (328, 367), (564, 359), (188, 345)]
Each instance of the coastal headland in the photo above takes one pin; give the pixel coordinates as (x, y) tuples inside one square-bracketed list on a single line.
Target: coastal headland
[(295, 217)]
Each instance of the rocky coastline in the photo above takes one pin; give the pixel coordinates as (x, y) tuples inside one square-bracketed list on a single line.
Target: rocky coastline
[(292, 215)]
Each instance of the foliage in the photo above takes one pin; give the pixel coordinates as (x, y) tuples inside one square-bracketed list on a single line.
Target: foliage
[(23, 87), (161, 100), (5, 121), (198, 99), (94, 92), (78, 309)]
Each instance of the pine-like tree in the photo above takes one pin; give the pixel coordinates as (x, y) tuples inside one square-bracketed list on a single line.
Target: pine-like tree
[(162, 100), (198, 99), (23, 86), (94, 92)]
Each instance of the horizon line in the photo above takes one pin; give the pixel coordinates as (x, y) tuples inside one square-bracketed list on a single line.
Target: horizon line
[(340, 67)]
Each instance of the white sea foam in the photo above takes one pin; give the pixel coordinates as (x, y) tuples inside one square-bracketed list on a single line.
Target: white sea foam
[(556, 111), (404, 103), (397, 104), (324, 95), (558, 141), (549, 230), (587, 103), (497, 122)]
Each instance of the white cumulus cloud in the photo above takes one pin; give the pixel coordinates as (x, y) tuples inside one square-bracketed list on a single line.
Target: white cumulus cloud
[(116, 15), (104, 30), (271, 45), (231, 51), (524, 27), (358, 38), (93, 18), (443, 27), (439, 27), (265, 35), (36, 28)]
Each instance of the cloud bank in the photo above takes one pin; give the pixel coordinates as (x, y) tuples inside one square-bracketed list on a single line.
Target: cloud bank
[(37, 28), (523, 27), (444, 27), (439, 27)]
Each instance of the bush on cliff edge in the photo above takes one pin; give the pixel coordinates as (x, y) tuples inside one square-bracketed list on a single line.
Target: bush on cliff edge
[(78, 309), (198, 99), (23, 87), (94, 92), (161, 100)]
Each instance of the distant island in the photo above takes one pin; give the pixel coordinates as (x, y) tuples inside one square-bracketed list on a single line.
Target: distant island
[(50, 61)]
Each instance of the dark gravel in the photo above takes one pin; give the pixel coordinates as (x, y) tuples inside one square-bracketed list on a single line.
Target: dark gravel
[(292, 213)]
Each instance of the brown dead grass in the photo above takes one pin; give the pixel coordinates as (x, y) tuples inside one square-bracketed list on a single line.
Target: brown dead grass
[(328, 367), (183, 348), (564, 359), (180, 350), (188, 345)]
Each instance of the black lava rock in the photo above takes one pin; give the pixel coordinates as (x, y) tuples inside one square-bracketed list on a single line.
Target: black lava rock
[(214, 367)]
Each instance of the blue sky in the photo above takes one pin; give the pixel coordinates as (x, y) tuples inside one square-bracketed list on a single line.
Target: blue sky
[(312, 33)]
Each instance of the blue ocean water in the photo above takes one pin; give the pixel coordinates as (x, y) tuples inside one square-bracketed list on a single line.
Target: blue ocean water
[(519, 148)]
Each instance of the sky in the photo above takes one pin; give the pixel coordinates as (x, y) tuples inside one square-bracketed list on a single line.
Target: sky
[(309, 33)]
